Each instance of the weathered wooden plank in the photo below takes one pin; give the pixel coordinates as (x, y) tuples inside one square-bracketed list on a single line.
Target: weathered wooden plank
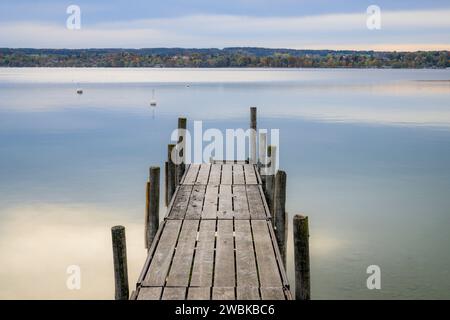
[(225, 202), (191, 175), (195, 206), (184, 254), (201, 293), (203, 174), (215, 174), (151, 251), (159, 266), (202, 270), (238, 174), (246, 271), (220, 293), (227, 174), (180, 204), (224, 273), (272, 294), (255, 202), (240, 202), (250, 175), (269, 274), (247, 293), (210, 203), (171, 293), (149, 293)]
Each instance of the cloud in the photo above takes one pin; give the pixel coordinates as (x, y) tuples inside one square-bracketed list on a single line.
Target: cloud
[(424, 29)]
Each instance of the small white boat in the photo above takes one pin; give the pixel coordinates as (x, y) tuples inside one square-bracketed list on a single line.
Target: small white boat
[(153, 100), (80, 91)]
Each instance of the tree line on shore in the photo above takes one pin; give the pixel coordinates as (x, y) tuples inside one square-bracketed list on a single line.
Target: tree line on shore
[(221, 58)]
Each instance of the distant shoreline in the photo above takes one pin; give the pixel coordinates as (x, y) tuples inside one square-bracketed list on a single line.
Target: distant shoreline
[(236, 57)]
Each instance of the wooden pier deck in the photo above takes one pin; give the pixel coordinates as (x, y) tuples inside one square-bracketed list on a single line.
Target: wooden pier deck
[(216, 241)]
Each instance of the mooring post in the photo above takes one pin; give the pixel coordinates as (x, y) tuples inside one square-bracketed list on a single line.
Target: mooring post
[(120, 262), (252, 134), (181, 145), (280, 213), (152, 207), (270, 176), (171, 173), (262, 143), (301, 257), (166, 196)]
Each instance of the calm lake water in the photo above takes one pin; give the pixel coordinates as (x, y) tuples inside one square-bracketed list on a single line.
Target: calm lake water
[(367, 153)]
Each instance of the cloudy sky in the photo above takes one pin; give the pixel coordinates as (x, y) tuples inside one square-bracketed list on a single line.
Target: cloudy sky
[(301, 24)]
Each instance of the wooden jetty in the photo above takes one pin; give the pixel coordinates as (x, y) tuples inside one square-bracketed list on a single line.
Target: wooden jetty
[(217, 240)]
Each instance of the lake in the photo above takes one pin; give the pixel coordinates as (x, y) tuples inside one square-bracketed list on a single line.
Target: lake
[(367, 155)]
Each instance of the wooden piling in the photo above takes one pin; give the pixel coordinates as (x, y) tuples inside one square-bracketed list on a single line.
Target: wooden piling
[(280, 212), (181, 145), (120, 262), (262, 143), (253, 135), (301, 257), (152, 208), (270, 176), (166, 170), (171, 173)]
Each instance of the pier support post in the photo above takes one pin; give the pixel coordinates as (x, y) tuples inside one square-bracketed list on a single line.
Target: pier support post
[(252, 134), (152, 207), (181, 145), (280, 213), (120, 262), (270, 171), (262, 144), (301, 257), (166, 196), (171, 173)]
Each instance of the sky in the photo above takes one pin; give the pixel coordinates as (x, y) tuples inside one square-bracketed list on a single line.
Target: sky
[(300, 24)]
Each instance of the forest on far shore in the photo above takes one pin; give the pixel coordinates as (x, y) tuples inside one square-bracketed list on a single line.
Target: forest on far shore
[(221, 58)]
